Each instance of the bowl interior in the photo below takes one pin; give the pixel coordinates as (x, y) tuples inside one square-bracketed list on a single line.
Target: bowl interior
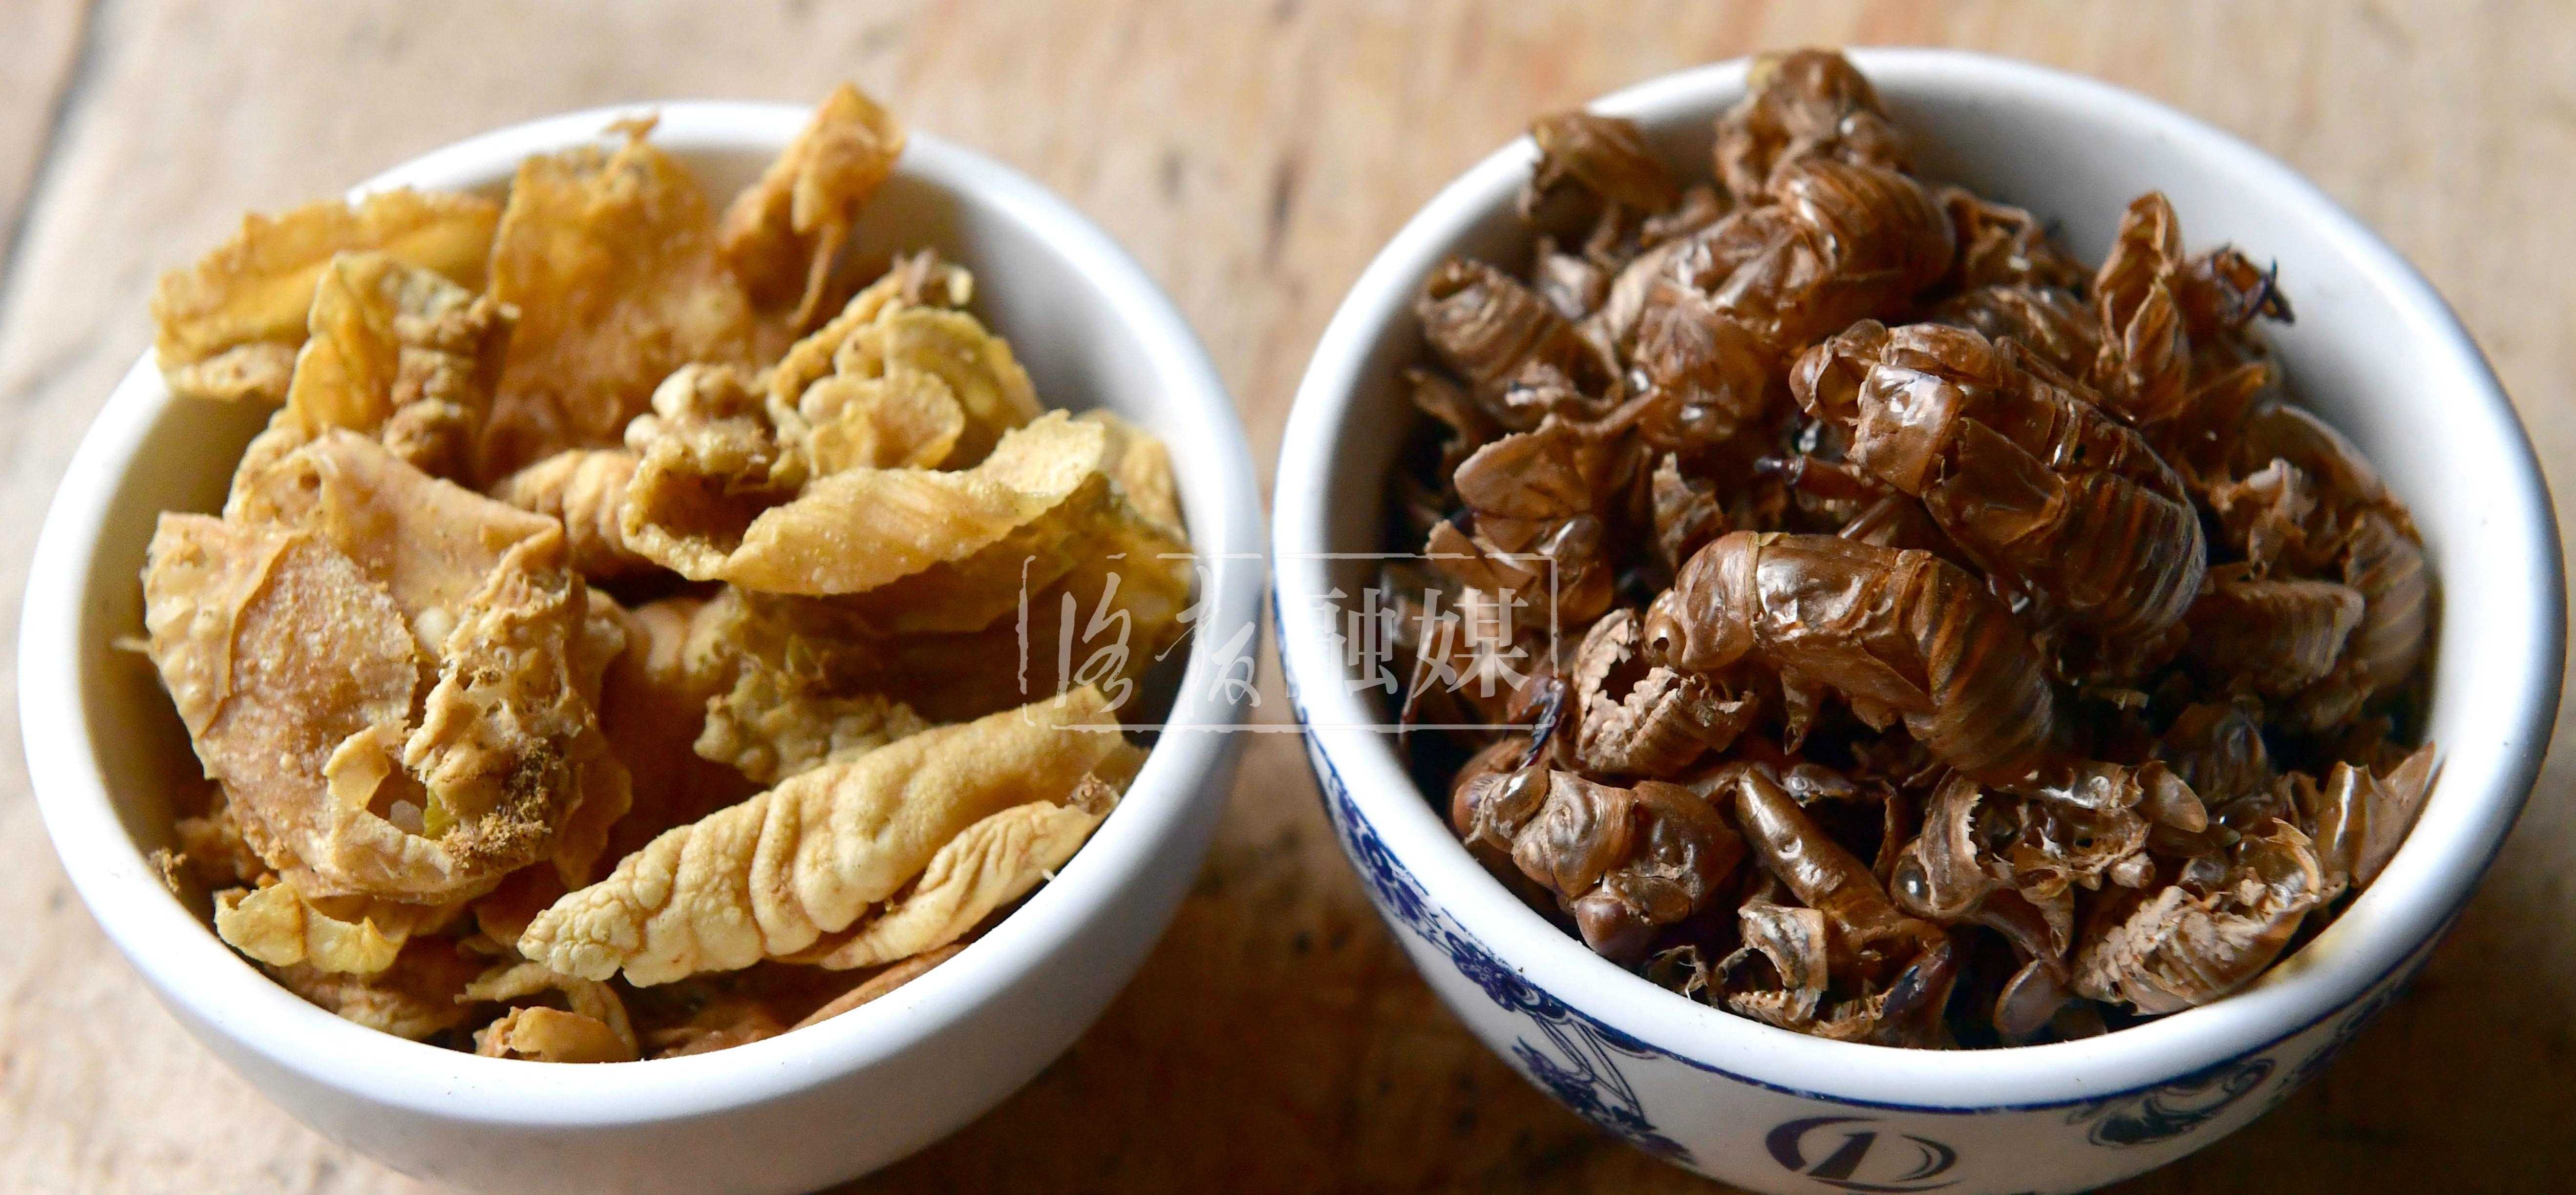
[(2373, 350), (1083, 319)]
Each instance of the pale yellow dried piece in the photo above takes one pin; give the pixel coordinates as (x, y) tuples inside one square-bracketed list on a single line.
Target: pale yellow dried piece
[(585, 490), (708, 462), (907, 419), (485, 590), (432, 544), (988, 865), (228, 326), (538, 1033), (950, 352), (1096, 535), (1120, 610), (785, 230), (858, 529), (772, 875), (274, 925), (297, 638), (918, 279), (276, 650), (788, 685), (416, 997), (1142, 467), (396, 352), (770, 726), (589, 1000), (508, 746), (904, 344), (610, 259)]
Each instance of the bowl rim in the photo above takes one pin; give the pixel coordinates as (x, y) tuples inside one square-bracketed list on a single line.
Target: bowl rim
[(225, 1000), (2414, 900)]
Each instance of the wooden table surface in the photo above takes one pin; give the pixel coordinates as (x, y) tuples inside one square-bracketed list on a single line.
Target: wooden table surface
[(1254, 157)]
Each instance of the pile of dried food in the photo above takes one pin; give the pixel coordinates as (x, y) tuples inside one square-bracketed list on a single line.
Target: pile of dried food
[(1915, 637), (613, 647)]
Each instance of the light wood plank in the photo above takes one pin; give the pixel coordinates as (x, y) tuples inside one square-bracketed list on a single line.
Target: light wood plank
[(40, 56)]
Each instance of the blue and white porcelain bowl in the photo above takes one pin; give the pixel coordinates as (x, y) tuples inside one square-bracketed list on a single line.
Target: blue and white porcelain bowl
[(2374, 350)]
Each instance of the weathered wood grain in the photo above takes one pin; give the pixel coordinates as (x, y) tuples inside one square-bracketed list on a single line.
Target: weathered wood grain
[(43, 54), (1253, 157)]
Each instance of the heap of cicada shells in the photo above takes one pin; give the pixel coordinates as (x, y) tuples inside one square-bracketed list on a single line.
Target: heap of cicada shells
[(612, 646), (1974, 649)]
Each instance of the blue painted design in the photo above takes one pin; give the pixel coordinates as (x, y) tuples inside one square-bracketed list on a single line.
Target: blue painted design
[(2171, 1109), (1567, 1054)]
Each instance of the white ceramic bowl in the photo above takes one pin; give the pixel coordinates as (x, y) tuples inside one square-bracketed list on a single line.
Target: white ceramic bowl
[(2374, 350), (788, 1114)]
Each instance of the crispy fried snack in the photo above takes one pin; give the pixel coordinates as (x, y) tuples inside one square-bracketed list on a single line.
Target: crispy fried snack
[(988, 865), (282, 927), (395, 352), (585, 490), (862, 528), (392, 677), (798, 693), (419, 996), (592, 1027), (2051, 669), (610, 258), (770, 876), (885, 608), (230, 325), (783, 233)]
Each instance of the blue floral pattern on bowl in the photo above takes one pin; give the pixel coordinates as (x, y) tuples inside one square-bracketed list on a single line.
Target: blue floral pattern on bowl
[(1576, 1058)]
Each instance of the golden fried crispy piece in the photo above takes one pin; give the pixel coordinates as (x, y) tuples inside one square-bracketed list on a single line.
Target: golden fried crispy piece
[(228, 326), (907, 347), (988, 865), (610, 258), (276, 650), (1097, 541), (397, 352), (1142, 467), (585, 490), (784, 232), (276, 924), (917, 279), (431, 544), (485, 590), (421, 994), (298, 636), (858, 529), (539, 1033), (773, 686), (592, 1027), (905, 420), (772, 875), (1106, 622)]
